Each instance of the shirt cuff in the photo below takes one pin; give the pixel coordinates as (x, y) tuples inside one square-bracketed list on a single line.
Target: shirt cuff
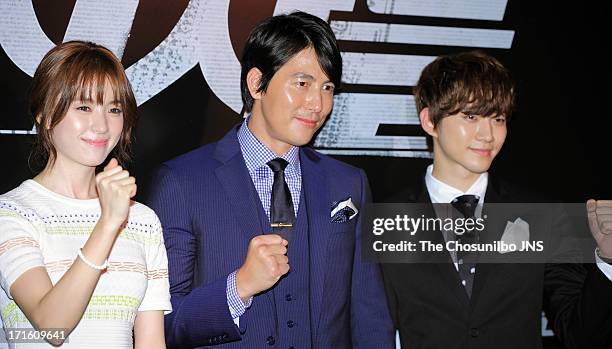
[(605, 268), (236, 306)]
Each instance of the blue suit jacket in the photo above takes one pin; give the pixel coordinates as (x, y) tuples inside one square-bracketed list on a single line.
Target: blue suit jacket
[(210, 211)]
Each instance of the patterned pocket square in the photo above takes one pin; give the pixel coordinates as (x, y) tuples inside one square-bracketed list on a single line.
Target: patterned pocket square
[(343, 211)]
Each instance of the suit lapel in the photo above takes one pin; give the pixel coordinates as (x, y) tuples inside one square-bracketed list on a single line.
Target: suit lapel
[(316, 196), (238, 185), (447, 270), (485, 271)]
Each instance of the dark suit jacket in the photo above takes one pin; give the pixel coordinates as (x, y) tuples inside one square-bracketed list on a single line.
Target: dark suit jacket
[(431, 309), (210, 210)]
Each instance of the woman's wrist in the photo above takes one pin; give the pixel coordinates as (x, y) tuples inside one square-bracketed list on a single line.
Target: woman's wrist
[(108, 225)]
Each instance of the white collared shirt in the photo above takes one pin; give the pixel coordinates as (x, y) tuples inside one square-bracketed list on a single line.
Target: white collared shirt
[(442, 193)]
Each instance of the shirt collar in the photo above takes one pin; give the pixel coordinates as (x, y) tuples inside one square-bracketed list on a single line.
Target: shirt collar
[(257, 155), (440, 192)]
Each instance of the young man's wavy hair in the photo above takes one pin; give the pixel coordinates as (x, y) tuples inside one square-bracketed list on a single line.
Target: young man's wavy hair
[(277, 39), (469, 82), (78, 70)]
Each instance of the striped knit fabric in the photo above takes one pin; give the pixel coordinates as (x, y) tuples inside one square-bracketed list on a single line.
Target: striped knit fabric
[(39, 228)]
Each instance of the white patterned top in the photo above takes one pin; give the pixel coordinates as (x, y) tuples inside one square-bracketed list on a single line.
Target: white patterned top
[(41, 228)]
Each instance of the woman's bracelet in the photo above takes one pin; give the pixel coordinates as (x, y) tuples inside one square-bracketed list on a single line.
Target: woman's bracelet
[(90, 264)]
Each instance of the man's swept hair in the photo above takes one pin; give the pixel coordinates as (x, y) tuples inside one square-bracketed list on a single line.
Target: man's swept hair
[(277, 39)]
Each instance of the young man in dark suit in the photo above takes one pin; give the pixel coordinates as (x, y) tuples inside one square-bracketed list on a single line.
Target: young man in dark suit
[(464, 102), (238, 212)]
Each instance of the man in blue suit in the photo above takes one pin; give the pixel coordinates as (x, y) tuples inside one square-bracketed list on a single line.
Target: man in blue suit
[(262, 233)]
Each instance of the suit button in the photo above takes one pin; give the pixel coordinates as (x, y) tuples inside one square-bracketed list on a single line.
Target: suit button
[(474, 332), (270, 340), (288, 297), (290, 324)]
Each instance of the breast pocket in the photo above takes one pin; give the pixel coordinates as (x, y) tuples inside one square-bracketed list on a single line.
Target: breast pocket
[(347, 227)]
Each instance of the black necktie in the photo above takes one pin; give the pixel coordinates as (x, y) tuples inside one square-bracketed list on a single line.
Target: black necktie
[(282, 215), (466, 205)]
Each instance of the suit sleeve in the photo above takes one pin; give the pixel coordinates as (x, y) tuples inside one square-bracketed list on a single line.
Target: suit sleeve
[(578, 304), (391, 297), (371, 324), (577, 298), (200, 314)]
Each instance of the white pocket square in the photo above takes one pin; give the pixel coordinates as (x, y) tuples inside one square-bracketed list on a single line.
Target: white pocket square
[(515, 233)]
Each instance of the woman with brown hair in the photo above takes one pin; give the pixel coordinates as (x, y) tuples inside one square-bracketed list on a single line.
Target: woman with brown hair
[(81, 264)]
